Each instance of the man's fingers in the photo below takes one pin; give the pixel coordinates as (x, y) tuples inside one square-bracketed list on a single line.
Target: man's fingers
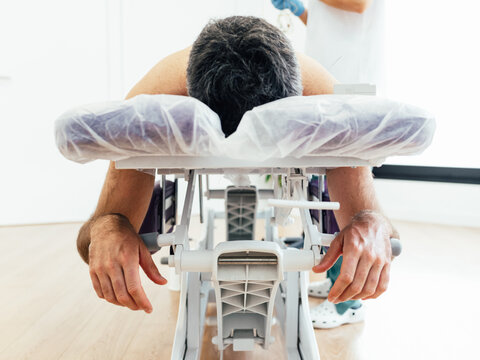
[(382, 282), (361, 274), (96, 284), (121, 293), (331, 256), (107, 288), (149, 267), (371, 283), (135, 289), (347, 274)]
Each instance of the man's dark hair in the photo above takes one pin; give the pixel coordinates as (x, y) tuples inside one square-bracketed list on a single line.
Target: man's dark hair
[(238, 63)]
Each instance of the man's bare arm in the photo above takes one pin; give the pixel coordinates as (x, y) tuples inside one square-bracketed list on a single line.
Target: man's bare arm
[(128, 192), (108, 241), (364, 240), (316, 79), (116, 199), (168, 76)]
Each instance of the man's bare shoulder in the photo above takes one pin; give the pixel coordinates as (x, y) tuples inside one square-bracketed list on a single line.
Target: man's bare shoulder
[(168, 76), (315, 78)]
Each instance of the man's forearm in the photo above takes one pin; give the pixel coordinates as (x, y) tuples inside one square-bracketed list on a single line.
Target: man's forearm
[(354, 189), (365, 215), (124, 199), (363, 240), (128, 192)]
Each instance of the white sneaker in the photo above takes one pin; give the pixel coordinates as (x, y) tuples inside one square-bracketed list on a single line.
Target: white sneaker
[(320, 288), (325, 316)]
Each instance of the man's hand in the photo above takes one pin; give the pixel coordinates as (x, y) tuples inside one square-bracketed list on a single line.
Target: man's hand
[(295, 6), (115, 254), (367, 255)]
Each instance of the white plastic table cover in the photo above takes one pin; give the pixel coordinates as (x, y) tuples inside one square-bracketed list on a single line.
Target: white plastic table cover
[(363, 127)]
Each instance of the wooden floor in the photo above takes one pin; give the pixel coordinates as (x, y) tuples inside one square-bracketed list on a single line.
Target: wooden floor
[(48, 309)]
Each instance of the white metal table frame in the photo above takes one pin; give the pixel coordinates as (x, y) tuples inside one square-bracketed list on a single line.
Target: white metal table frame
[(200, 268)]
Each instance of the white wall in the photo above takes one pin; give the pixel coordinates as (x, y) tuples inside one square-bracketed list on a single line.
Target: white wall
[(432, 61), (155, 29), (57, 54), (53, 56), (432, 202), (432, 56)]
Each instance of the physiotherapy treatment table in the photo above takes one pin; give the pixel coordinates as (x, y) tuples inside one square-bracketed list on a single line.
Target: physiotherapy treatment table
[(252, 282)]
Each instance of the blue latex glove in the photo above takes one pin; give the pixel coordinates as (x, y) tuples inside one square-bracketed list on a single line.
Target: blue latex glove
[(295, 6)]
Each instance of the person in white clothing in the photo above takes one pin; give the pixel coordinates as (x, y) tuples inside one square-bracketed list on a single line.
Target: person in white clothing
[(347, 38), (349, 43)]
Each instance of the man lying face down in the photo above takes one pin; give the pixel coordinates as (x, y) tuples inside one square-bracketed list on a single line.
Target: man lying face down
[(235, 64), (238, 63)]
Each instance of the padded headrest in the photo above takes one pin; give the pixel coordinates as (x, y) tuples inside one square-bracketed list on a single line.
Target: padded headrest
[(358, 126)]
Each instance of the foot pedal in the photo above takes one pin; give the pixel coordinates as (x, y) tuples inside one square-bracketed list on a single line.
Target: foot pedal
[(246, 277)]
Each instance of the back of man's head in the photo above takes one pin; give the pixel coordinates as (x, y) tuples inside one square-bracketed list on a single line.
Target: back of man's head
[(238, 63)]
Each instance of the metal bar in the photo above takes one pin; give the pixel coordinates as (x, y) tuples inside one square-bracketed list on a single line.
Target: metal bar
[(303, 204), (306, 219), (200, 196), (307, 344), (175, 216), (164, 192), (180, 340), (187, 206), (291, 316), (321, 184), (210, 229), (268, 225), (194, 341)]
